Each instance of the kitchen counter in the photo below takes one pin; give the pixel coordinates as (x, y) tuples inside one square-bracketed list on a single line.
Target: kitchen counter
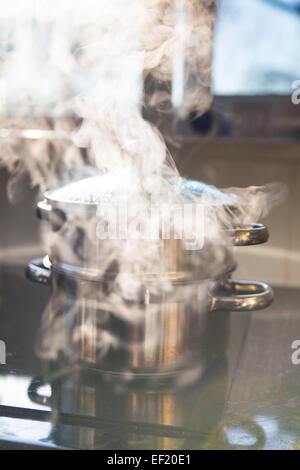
[(248, 397)]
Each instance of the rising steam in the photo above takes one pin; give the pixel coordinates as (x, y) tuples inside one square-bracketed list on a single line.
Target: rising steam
[(75, 76), (89, 60)]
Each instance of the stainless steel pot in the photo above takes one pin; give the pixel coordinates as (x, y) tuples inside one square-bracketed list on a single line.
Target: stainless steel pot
[(160, 332), (165, 336)]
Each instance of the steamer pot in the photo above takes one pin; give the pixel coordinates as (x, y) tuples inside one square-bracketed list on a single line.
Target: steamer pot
[(162, 332)]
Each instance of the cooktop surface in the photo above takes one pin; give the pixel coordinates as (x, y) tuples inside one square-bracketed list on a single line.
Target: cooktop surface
[(248, 397)]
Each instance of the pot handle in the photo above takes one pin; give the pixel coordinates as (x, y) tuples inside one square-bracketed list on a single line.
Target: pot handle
[(37, 271), (249, 234), (246, 296), (35, 396), (54, 216)]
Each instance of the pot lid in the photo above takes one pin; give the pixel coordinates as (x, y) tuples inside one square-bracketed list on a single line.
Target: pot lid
[(102, 188), (211, 193)]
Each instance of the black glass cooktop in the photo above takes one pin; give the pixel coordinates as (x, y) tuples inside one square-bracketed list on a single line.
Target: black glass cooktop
[(248, 397)]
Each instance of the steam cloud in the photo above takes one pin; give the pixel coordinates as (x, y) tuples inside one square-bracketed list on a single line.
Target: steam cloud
[(75, 76), (90, 60)]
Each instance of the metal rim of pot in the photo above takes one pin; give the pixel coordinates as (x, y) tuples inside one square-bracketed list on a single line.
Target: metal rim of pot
[(233, 296)]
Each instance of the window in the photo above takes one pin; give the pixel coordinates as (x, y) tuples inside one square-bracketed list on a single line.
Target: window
[(256, 48)]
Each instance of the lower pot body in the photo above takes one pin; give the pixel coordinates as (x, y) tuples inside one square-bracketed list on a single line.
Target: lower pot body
[(88, 324)]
